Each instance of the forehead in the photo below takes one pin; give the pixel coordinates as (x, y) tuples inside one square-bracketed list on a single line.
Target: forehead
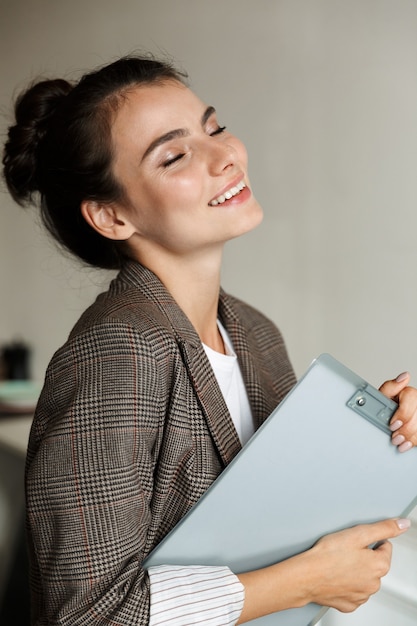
[(148, 111)]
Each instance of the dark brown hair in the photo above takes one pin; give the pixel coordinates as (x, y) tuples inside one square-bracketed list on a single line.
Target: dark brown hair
[(59, 151)]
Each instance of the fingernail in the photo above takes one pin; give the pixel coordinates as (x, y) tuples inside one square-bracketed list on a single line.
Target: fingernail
[(407, 445), (403, 524), (398, 439), (401, 377), (396, 425)]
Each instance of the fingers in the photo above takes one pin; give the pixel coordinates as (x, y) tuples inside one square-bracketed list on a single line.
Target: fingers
[(392, 388), (348, 571), (377, 533), (404, 421), (384, 549)]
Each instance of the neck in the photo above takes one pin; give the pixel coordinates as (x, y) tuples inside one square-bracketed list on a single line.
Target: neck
[(194, 283)]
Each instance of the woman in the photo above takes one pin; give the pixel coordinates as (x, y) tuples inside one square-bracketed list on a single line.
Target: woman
[(165, 376)]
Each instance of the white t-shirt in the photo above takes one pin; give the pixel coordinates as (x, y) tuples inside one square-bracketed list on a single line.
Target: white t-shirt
[(229, 377)]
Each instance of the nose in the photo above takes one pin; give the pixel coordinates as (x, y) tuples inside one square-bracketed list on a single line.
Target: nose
[(223, 155)]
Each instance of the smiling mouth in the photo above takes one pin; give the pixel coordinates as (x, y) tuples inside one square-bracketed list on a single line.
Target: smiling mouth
[(230, 193)]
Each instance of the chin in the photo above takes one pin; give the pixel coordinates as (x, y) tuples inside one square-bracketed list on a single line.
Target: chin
[(254, 218), (246, 226)]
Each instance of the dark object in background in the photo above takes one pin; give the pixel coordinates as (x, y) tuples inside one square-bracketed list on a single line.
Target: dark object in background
[(14, 568), (15, 607), (16, 361)]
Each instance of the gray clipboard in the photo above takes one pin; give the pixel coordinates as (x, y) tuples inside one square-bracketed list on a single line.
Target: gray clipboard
[(321, 462)]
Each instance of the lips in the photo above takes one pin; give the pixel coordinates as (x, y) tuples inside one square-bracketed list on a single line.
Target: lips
[(227, 195)]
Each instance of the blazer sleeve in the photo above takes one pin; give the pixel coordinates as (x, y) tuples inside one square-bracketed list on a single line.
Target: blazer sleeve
[(89, 479)]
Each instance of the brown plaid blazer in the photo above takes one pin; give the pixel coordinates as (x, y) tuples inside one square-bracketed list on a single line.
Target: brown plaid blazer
[(130, 430)]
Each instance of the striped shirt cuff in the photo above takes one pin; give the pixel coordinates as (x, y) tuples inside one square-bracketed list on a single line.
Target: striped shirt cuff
[(189, 595)]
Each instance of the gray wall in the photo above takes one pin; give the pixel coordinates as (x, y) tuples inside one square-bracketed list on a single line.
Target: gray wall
[(324, 93)]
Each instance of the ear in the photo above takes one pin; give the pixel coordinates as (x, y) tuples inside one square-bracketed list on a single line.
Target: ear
[(107, 220)]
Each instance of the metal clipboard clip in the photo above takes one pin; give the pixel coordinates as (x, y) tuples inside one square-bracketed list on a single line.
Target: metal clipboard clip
[(373, 406)]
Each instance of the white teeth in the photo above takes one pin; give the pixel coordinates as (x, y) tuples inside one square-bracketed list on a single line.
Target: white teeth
[(229, 194)]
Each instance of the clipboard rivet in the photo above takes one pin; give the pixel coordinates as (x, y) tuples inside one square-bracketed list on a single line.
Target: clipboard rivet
[(361, 401)]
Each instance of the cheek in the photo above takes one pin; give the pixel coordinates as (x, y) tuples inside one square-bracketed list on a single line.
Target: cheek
[(167, 203), (185, 187)]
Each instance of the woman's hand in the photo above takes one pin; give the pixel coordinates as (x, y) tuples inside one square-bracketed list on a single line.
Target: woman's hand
[(350, 572), (404, 421), (339, 571)]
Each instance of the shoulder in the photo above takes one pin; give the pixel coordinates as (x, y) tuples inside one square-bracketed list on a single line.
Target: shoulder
[(133, 312), (137, 303), (123, 336), (127, 312), (115, 367)]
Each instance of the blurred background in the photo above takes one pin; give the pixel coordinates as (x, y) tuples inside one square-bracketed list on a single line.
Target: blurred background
[(324, 95)]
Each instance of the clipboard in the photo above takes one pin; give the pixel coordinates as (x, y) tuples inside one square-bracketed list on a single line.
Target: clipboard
[(321, 462)]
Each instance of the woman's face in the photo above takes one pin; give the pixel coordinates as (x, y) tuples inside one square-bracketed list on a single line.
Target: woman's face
[(185, 177)]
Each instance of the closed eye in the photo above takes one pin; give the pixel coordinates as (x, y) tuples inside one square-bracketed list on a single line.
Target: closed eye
[(172, 160), (179, 156), (218, 131)]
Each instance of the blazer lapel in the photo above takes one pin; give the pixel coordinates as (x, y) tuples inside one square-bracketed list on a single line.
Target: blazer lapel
[(194, 357), (262, 397), (211, 400)]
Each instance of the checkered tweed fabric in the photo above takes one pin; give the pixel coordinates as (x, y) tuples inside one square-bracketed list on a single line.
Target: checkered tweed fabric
[(130, 430)]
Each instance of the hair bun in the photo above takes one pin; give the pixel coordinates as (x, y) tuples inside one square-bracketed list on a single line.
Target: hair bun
[(34, 109)]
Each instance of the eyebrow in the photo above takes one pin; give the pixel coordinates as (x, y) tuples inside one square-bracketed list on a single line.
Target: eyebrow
[(179, 132)]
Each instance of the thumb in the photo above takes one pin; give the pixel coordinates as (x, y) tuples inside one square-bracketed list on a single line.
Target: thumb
[(392, 388), (380, 531)]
